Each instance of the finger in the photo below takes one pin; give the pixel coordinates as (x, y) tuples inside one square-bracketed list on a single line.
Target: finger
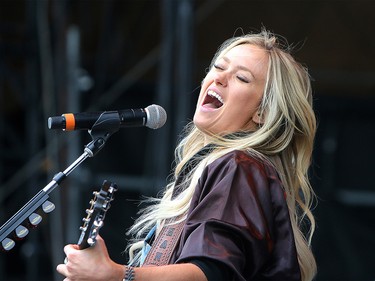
[(68, 248), (75, 246), (99, 242), (99, 239), (61, 268)]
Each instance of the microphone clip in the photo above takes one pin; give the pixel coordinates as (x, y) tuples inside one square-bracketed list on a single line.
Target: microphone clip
[(106, 125)]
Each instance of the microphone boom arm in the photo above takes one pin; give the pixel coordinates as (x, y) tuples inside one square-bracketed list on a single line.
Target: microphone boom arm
[(26, 215)]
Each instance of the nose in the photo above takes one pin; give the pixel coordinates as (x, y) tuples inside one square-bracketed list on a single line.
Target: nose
[(221, 78)]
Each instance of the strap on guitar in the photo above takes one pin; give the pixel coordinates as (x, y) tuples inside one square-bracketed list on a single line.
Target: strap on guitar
[(164, 244)]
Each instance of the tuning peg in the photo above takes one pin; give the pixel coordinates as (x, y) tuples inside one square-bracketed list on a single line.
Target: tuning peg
[(85, 220), (34, 219), (83, 228), (7, 244), (48, 207), (21, 231)]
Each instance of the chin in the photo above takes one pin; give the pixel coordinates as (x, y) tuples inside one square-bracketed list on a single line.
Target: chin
[(199, 126)]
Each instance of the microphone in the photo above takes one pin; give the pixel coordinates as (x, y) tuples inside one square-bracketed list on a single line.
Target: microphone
[(153, 116)]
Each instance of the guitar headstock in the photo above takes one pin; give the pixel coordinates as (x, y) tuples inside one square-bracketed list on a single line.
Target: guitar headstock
[(96, 214)]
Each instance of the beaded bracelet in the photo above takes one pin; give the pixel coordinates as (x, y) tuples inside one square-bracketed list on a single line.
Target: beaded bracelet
[(129, 273)]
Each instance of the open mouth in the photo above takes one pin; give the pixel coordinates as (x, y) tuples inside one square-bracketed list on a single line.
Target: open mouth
[(213, 100)]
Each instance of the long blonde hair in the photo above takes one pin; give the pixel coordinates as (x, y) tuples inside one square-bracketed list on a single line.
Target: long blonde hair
[(285, 139)]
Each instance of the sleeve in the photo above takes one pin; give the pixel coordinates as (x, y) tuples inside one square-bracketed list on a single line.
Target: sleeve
[(213, 270), (230, 218)]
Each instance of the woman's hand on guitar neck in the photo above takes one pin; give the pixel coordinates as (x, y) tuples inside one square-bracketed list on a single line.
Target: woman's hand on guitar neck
[(92, 264)]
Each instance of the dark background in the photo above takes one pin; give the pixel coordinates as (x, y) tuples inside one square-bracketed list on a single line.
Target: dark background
[(59, 56)]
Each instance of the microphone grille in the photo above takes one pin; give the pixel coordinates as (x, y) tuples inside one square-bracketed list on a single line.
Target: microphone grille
[(156, 116)]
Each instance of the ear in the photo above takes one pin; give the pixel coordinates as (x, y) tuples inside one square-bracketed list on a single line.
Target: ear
[(258, 118)]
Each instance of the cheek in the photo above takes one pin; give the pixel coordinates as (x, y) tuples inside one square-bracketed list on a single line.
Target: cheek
[(244, 106), (249, 98)]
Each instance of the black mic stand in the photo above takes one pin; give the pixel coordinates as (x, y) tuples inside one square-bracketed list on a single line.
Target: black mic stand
[(17, 227)]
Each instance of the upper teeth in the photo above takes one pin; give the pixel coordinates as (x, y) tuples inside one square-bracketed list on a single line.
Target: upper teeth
[(216, 95)]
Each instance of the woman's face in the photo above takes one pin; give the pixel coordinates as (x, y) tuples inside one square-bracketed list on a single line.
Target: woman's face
[(232, 90)]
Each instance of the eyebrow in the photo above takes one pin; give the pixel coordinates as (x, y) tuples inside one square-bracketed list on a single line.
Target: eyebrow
[(240, 67)]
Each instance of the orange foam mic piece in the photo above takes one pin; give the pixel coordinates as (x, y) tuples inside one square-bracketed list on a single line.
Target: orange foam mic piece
[(70, 122)]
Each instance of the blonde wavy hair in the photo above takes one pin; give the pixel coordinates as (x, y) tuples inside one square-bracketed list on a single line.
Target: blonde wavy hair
[(285, 139)]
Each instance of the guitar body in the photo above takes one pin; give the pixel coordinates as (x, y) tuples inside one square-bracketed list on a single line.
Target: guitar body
[(94, 220)]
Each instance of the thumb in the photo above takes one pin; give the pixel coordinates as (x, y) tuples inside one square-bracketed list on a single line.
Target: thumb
[(100, 245)]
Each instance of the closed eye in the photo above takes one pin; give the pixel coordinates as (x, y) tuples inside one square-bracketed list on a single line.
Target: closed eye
[(239, 77), (243, 79), (218, 67)]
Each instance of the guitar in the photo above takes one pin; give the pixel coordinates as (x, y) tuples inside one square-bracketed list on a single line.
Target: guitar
[(94, 220)]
